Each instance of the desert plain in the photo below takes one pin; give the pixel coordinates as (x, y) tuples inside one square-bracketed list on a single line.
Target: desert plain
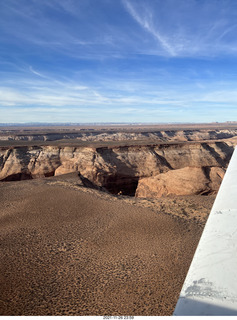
[(104, 220)]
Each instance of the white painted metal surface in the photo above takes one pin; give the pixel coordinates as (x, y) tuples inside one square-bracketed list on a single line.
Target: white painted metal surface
[(210, 287)]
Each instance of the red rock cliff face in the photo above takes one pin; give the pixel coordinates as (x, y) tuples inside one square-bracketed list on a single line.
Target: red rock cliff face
[(148, 171), (185, 181)]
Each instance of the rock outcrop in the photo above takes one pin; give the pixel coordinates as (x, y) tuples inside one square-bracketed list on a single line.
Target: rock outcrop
[(185, 181), (123, 135), (121, 169)]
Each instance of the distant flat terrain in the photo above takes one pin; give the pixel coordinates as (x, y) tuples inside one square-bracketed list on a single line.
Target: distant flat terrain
[(113, 135), (117, 127)]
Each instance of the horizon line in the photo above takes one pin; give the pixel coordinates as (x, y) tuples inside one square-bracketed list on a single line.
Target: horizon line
[(2, 124)]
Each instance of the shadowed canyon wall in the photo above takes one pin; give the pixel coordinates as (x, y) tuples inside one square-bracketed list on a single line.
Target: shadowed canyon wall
[(144, 171)]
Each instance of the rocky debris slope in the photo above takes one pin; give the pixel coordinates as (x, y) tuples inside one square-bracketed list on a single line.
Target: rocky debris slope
[(121, 169)]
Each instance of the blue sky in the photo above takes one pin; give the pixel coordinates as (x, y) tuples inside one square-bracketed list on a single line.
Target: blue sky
[(118, 60)]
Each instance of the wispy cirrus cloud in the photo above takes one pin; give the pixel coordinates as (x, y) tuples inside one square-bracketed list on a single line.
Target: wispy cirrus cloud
[(36, 88), (187, 28), (125, 59), (84, 30), (145, 20), (52, 27), (37, 73)]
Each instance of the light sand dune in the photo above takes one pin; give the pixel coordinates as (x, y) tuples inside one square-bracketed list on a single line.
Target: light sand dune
[(65, 251)]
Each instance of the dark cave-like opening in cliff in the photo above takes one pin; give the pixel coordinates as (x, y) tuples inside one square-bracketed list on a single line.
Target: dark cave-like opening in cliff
[(121, 185), (18, 176), (116, 185)]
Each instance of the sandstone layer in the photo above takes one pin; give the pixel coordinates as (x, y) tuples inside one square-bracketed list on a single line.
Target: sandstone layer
[(185, 181), (122, 134), (121, 169)]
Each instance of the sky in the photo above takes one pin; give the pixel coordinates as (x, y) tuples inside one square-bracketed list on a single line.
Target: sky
[(140, 61)]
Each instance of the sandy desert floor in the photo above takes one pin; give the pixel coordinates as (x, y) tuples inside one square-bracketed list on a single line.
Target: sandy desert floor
[(69, 250)]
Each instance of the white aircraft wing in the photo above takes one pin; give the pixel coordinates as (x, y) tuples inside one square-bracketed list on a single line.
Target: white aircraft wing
[(210, 287)]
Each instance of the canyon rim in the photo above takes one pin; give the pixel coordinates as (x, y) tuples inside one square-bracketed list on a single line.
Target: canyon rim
[(104, 220)]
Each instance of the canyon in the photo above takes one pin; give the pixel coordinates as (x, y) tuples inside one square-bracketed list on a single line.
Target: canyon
[(150, 164), (126, 133), (106, 222)]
